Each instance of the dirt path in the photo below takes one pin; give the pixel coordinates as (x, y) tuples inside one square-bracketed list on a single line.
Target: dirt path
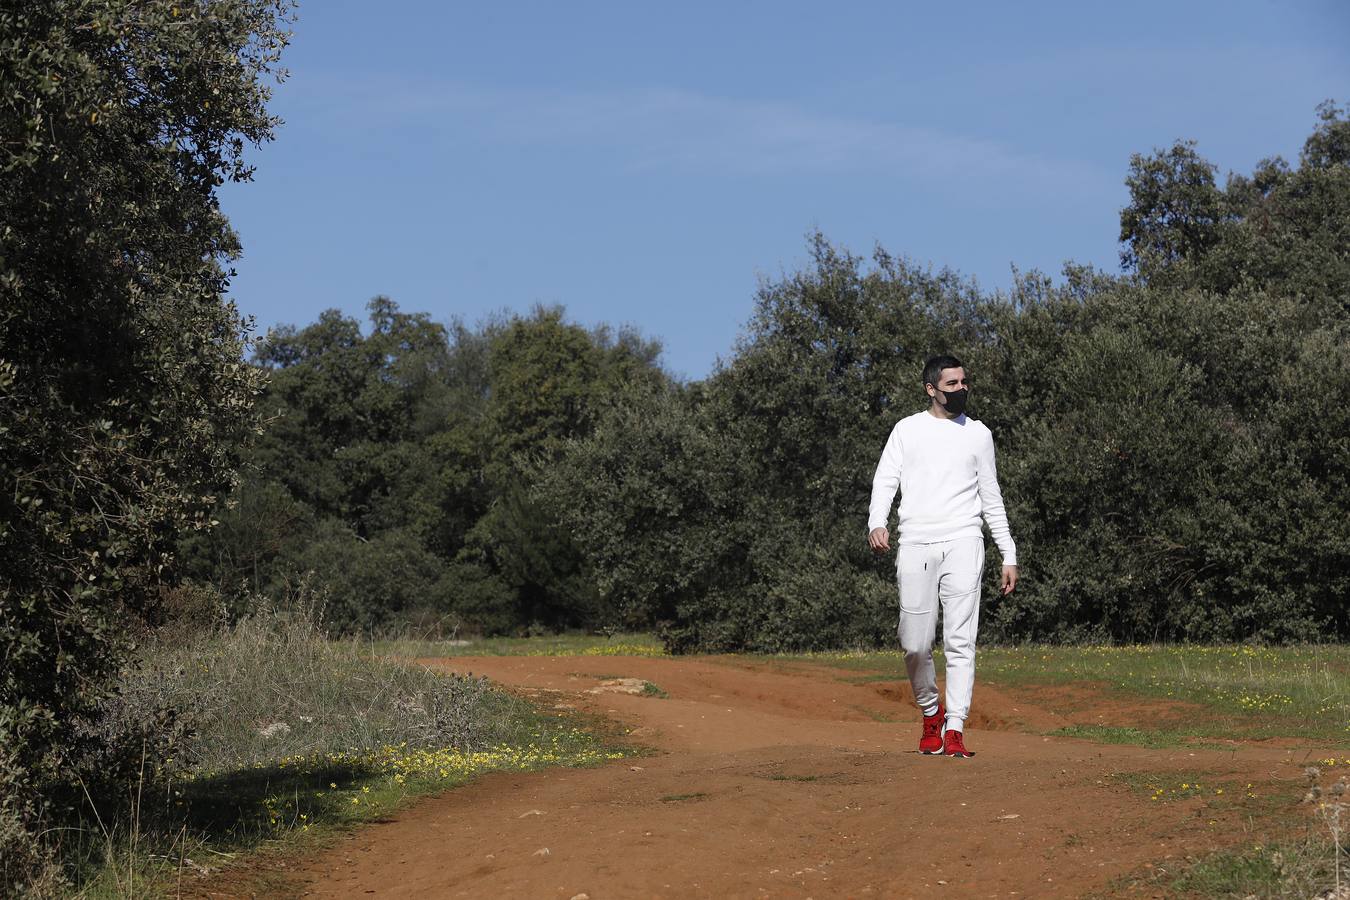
[(781, 782)]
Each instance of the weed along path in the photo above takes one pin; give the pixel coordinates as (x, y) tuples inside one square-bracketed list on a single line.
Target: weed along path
[(771, 779)]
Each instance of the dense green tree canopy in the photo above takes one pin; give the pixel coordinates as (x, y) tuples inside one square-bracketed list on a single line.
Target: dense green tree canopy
[(397, 465), (1173, 443), (124, 398)]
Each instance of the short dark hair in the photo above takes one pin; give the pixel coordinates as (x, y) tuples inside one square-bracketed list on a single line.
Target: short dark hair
[(932, 370)]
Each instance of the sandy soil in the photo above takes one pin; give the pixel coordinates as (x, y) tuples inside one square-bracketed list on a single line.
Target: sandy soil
[(790, 781)]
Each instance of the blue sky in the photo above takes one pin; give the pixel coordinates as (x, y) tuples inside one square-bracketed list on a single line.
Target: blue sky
[(647, 164)]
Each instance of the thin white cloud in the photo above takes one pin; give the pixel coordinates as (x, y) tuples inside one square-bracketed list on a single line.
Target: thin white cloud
[(665, 130)]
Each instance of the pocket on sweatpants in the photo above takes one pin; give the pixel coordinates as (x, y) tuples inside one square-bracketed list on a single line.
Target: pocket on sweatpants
[(917, 579), (910, 560)]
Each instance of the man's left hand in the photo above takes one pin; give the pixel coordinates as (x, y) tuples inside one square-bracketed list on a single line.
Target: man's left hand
[(1009, 580)]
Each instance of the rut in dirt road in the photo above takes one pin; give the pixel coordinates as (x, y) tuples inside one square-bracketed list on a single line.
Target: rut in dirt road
[(782, 783)]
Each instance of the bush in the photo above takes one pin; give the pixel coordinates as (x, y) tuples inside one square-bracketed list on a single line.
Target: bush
[(1173, 443), (124, 403), (28, 866), (481, 599), (806, 600), (369, 584), (142, 733)]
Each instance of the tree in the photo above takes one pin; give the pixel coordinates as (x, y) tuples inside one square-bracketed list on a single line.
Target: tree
[(732, 512), (352, 477), (1175, 208), (1173, 443), (549, 379), (124, 399), (345, 407), (398, 464)]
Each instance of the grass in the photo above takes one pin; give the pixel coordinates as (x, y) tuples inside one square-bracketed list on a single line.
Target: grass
[(1301, 868), (272, 688), (1249, 692), (551, 645), (1286, 849), (1255, 872), (1309, 682), (680, 798), (1172, 785), (1192, 735), (296, 739), (1308, 855), (1108, 734), (1296, 867)]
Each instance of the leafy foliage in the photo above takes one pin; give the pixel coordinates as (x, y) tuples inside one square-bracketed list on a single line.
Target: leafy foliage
[(124, 402), (1173, 442), (398, 463), (728, 510)]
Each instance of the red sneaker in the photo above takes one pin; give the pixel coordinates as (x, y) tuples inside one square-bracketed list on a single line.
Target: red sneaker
[(953, 745), (931, 742)]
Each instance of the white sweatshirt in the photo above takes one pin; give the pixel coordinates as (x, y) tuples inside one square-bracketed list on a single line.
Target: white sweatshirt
[(945, 471)]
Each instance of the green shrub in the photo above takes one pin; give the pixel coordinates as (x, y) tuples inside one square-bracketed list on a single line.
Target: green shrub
[(124, 404), (1173, 443), (413, 441), (481, 599), (369, 584)]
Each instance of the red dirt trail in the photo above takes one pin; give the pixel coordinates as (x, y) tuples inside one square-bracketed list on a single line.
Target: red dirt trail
[(790, 781)]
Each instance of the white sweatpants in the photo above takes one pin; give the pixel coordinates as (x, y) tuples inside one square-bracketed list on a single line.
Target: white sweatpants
[(948, 572)]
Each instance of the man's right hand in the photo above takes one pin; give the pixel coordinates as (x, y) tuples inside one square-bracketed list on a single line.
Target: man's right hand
[(880, 540)]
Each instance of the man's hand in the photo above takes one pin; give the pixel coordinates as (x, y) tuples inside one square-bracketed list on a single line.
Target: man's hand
[(879, 540), (1009, 580)]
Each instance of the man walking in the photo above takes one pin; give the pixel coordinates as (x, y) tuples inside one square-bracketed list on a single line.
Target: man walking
[(943, 465)]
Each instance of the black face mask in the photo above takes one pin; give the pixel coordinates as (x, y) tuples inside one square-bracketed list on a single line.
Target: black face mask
[(956, 401)]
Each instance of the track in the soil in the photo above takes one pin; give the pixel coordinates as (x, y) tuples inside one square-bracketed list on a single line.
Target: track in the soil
[(781, 782)]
